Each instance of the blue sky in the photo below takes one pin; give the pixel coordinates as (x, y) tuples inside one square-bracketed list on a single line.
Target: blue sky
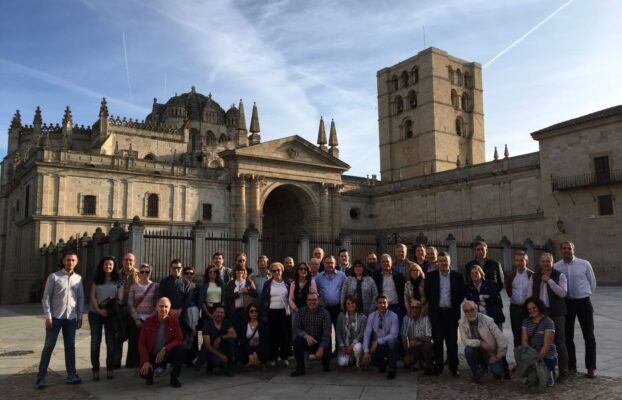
[(300, 60)]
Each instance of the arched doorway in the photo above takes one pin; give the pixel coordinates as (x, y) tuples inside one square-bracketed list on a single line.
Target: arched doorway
[(286, 212)]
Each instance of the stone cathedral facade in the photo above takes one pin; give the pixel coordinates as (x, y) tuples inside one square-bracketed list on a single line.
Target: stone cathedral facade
[(191, 160)]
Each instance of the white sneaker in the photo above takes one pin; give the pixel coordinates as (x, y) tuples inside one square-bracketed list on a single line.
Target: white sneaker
[(285, 363), (551, 380), (272, 363)]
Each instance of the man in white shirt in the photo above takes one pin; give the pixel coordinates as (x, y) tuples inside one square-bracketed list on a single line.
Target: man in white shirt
[(581, 285), (63, 302), (517, 286)]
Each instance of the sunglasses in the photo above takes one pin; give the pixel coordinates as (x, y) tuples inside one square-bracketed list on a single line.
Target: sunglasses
[(212, 272), (253, 311), (144, 272)]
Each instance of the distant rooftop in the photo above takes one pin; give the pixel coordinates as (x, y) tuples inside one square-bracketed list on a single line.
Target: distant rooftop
[(602, 114)]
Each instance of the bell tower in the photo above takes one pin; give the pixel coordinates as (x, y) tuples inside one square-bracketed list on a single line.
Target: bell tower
[(430, 115)]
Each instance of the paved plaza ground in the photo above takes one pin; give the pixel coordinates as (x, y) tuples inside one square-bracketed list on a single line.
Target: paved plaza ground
[(22, 333)]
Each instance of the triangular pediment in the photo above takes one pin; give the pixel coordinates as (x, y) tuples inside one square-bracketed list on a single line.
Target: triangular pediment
[(292, 149)]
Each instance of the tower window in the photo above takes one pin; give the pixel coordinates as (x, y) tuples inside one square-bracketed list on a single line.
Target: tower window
[(605, 205), (458, 78), (89, 204), (207, 212), (412, 99), (415, 75), (459, 127), (152, 205), (467, 80), (26, 201), (404, 79), (454, 99), (399, 104), (408, 129), (601, 168), (394, 82)]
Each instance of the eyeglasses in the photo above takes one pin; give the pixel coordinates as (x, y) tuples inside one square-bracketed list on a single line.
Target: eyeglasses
[(188, 273), (253, 311), (274, 271), (469, 310), (212, 272), (144, 272), (303, 270)]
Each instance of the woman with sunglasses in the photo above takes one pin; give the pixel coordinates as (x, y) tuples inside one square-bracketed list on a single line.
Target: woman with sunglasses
[(241, 292), (142, 296), (105, 289), (413, 288), (274, 302), (254, 344), (361, 287), (299, 288)]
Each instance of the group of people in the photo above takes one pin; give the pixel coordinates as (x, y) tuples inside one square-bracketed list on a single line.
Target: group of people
[(380, 311)]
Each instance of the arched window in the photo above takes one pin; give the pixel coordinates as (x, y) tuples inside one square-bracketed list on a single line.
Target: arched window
[(415, 75), (459, 127), (150, 157), (451, 75), (408, 129), (193, 142), (465, 104), (467, 80), (210, 138), (454, 99), (458, 77), (152, 205), (222, 140), (399, 104), (412, 99), (404, 79), (394, 82)]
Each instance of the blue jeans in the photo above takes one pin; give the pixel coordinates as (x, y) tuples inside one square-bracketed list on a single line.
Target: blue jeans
[(478, 358), (69, 339), (96, 322), (388, 350)]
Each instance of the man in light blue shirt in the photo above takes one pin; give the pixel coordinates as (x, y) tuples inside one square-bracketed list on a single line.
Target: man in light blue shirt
[(380, 340), (63, 303), (329, 284)]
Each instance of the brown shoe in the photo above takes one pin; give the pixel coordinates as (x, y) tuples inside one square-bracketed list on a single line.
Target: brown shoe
[(591, 373)]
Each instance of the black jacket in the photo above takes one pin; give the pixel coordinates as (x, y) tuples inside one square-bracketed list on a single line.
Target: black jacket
[(432, 289), (399, 281)]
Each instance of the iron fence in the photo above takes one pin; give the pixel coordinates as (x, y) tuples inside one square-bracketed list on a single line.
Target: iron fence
[(229, 245), (163, 246)]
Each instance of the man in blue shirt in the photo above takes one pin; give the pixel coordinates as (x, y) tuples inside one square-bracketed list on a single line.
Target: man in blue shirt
[(329, 284), (380, 340)]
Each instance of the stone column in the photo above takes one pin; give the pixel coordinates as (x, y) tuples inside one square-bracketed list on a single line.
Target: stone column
[(137, 240), (83, 256), (452, 249), (254, 209), (116, 199), (116, 246), (251, 245), (531, 261), (506, 251), (335, 218), (238, 205), (303, 245), (325, 223), (198, 234), (382, 243)]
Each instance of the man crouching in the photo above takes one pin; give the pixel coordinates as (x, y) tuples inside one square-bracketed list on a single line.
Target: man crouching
[(161, 342)]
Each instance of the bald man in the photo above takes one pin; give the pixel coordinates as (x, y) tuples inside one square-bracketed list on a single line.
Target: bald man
[(161, 342)]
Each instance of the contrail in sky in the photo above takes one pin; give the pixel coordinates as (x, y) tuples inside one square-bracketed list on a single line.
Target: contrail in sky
[(529, 32), (127, 68), (62, 83)]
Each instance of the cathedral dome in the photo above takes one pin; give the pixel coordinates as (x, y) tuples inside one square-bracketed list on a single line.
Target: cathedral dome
[(193, 105)]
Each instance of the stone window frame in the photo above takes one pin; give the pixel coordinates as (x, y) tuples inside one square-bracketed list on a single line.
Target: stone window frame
[(211, 211), (404, 127), (399, 104), (460, 127), (147, 211), (82, 198), (608, 201), (412, 99), (465, 102), (455, 99), (404, 79), (414, 75), (394, 83)]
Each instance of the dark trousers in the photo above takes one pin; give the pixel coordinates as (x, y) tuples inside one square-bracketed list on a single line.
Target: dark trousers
[(301, 347), (445, 329), (423, 352), (280, 327), (517, 315), (581, 309), (68, 326), (227, 347), (389, 350), (175, 357), (96, 323), (333, 311), (132, 359), (560, 343)]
